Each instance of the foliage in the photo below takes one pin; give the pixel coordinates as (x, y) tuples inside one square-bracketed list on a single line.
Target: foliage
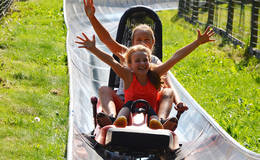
[(33, 81), (220, 79)]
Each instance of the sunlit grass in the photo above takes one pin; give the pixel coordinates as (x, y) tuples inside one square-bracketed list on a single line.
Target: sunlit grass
[(227, 87), (33, 82)]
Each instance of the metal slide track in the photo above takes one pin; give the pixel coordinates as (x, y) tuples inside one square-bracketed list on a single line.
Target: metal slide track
[(201, 137)]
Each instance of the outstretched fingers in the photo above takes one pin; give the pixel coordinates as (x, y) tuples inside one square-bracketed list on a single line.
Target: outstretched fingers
[(85, 36), (207, 29), (80, 38), (86, 43), (82, 42), (79, 42), (206, 36), (211, 33), (199, 33), (89, 7), (90, 3), (93, 38)]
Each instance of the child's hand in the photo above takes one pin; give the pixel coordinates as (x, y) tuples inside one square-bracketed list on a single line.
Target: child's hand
[(86, 43), (89, 8), (205, 37)]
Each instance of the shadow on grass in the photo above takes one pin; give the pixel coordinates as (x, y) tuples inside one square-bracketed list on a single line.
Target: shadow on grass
[(175, 18)]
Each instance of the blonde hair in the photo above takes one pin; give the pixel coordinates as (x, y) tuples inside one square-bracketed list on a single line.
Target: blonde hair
[(143, 27), (136, 48)]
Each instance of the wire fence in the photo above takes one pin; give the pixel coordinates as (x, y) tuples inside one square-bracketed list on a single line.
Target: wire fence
[(4, 5), (235, 20)]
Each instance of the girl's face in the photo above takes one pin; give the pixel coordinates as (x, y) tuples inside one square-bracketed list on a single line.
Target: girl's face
[(139, 62), (143, 37)]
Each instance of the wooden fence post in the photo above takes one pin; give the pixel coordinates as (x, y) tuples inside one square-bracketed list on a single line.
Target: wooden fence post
[(187, 7), (211, 9), (181, 8), (254, 23), (195, 11), (229, 26)]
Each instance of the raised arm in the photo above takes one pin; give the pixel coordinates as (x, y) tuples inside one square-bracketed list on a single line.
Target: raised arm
[(119, 69), (115, 47), (180, 54)]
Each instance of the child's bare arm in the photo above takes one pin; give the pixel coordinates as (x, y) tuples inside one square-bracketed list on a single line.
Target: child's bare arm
[(180, 54), (115, 47), (91, 46)]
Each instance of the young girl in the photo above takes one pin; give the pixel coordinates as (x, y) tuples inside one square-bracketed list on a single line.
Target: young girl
[(139, 69), (111, 102)]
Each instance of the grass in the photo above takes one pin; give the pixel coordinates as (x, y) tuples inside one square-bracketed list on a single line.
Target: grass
[(34, 81), (221, 79)]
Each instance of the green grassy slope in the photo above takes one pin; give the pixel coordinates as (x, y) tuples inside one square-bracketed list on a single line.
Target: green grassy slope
[(33, 81), (224, 82)]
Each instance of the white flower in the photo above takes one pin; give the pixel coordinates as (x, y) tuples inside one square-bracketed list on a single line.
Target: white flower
[(37, 119)]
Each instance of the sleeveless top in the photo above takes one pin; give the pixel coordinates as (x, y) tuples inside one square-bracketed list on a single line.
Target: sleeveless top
[(137, 91), (120, 90)]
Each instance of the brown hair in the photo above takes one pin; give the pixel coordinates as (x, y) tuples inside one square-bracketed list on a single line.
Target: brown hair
[(153, 76)]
